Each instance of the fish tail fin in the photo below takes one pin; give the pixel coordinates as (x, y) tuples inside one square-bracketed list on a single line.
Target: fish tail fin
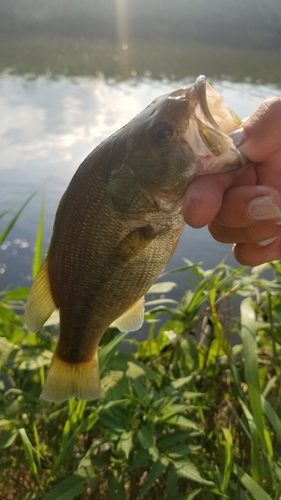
[(65, 380), (40, 303)]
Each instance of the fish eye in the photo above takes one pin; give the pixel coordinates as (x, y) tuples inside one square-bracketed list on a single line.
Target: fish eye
[(161, 132)]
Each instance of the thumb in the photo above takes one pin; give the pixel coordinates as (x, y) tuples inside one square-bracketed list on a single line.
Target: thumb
[(260, 136)]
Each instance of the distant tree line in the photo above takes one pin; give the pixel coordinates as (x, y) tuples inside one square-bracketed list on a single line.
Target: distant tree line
[(255, 23)]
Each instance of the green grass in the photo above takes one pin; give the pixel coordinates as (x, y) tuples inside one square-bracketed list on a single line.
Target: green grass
[(184, 414)]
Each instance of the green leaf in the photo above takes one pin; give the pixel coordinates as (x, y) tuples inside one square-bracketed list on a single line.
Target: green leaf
[(193, 494), (140, 459), (136, 369), (117, 418), (17, 294), (73, 486), (139, 389), (7, 350), (181, 421), (107, 351), (164, 287), (36, 361), (7, 438), (156, 471), (188, 470), (170, 439), (178, 383), (183, 450), (114, 385), (125, 442), (256, 491), (116, 485), (145, 438)]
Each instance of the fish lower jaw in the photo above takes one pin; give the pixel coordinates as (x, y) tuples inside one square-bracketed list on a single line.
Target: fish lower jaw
[(211, 164), (206, 161)]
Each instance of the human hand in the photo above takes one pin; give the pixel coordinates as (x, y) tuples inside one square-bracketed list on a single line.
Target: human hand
[(244, 207)]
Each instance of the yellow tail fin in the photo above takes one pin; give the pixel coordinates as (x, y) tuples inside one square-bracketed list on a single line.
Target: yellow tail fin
[(65, 380), (40, 303)]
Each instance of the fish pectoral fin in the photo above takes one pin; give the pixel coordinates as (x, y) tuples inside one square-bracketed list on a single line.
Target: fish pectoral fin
[(132, 319), (67, 380), (40, 303), (134, 244)]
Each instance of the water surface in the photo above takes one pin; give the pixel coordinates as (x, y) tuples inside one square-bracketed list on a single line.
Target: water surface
[(61, 102)]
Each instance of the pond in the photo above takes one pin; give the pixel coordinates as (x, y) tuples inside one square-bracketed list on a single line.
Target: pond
[(60, 97)]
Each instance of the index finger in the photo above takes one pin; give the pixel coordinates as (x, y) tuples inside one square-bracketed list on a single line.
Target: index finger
[(203, 197), (262, 130)]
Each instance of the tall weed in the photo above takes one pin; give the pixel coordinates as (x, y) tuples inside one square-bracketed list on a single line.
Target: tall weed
[(189, 412)]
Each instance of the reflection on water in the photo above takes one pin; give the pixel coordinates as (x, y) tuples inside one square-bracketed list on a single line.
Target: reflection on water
[(157, 59), (48, 126)]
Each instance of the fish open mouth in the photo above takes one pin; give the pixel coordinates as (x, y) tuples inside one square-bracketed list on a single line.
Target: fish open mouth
[(216, 110), (211, 122)]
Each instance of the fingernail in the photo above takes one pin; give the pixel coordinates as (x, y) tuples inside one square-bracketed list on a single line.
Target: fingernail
[(263, 208), (239, 137), (264, 243)]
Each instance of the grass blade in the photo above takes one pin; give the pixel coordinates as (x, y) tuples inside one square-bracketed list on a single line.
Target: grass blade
[(38, 252), (248, 335), (257, 470), (108, 350), (228, 460), (11, 224), (272, 417), (7, 211), (28, 448), (256, 491)]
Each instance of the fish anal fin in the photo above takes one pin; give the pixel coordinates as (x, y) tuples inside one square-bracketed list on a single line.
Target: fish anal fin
[(132, 319), (65, 380), (40, 303)]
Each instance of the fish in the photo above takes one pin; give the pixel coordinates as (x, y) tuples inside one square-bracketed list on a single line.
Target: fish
[(118, 224)]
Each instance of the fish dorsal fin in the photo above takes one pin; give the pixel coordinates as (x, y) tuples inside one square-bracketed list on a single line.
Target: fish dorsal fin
[(132, 319), (40, 303)]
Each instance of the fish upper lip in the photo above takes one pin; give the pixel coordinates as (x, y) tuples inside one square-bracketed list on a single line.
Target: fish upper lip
[(200, 87)]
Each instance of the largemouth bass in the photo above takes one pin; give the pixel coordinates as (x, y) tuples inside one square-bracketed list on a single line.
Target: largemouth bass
[(118, 224)]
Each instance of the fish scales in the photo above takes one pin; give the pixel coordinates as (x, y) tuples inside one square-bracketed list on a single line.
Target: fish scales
[(118, 224), (112, 278)]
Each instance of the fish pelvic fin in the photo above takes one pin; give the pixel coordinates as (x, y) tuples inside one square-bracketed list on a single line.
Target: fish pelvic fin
[(132, 319), (40, 303), (65, 380)]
